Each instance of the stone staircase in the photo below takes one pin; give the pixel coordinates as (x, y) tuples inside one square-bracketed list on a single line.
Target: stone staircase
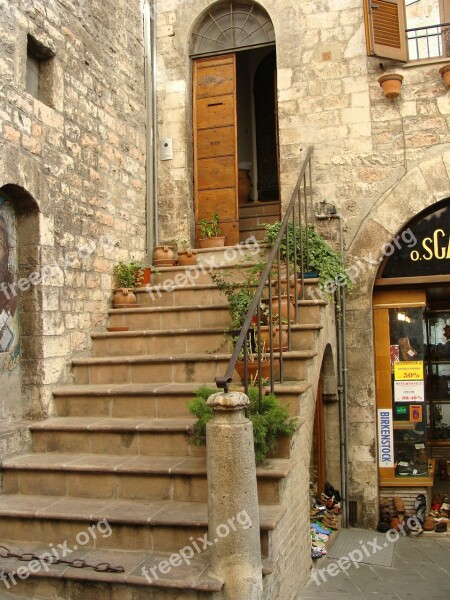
[(114, 478), (253, 216)]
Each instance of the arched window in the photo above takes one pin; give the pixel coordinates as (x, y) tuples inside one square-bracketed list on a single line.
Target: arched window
[(230, 25)]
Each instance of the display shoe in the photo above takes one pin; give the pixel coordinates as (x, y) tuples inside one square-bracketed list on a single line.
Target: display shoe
[(384, 503), (322, 551), (429, 524), (384, 523), (395, 523), (319, 529), (399, 507), (441, 527), (316, 553)]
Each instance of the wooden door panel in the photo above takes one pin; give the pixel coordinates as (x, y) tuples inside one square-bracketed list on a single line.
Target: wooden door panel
[(216, 173), (211, 199), (216, 80), (215, 112), (215, 142)]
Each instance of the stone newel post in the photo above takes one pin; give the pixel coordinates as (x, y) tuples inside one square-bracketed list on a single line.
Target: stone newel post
[(232, 498)]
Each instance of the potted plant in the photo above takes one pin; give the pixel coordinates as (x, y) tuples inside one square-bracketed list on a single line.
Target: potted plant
[(186, 255), (128, 276), (210, 233), (270, 420), (325, 261)]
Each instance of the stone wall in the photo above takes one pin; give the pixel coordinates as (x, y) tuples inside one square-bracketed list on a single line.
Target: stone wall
[(364, 144), (72, 164)]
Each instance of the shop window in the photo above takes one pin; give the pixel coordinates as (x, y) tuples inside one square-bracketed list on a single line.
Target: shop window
[(408, 29), (39, 70)]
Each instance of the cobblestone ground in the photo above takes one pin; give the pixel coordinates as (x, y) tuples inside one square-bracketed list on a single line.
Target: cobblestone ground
[(420, 571)]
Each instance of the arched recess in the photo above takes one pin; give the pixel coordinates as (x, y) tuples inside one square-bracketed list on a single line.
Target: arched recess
[(423, 186), (21, 299), (227, 43), (325, 462)]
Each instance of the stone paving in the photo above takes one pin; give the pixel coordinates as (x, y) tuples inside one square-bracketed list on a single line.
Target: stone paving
[(420, 571)]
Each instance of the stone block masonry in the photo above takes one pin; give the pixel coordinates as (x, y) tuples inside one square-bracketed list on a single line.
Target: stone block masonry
[(78, 150)]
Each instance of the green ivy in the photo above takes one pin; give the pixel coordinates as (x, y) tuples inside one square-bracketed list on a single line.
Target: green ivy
[(269, 423)]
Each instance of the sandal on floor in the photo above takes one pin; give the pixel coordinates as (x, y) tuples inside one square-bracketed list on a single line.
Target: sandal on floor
[(441, 527), (429, 524), (399, 507)]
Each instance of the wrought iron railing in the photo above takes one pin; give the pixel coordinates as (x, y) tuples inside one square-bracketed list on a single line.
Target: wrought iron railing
[(273, 278), (432, 41)]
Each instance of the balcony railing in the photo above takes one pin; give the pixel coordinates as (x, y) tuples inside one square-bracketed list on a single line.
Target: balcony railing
[(432, 41)]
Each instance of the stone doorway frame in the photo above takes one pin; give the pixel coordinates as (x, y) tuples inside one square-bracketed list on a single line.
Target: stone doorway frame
[(423, 186)]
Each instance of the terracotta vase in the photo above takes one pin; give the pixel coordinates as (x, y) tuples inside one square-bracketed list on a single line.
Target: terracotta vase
[(213, 242), (445, 74), (244, 186), (284, 286), (280, 305), (146, 276), (252, 370), (265, 337), (186, 258), (163, 256), (390, 84), (123, 296)]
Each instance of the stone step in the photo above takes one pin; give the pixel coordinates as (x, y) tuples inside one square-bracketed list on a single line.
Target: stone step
[(148, 400), (178, 341), (205, 294), (194, 580), (160, 525), (131, 437), (140, 478), (255, 220), (256, 232), (179, 368), (170, 317), (259, 208)]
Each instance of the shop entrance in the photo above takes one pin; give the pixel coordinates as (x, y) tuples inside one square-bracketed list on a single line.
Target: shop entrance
[(411, 317)]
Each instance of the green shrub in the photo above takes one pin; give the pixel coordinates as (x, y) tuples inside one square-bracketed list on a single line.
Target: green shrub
[(268, 425)]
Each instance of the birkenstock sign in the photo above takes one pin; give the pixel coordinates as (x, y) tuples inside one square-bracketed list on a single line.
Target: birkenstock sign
[(385, 437)]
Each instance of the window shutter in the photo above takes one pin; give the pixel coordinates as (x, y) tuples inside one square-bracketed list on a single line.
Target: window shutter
[(386, 28)]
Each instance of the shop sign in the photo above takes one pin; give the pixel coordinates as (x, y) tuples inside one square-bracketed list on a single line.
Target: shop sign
[(409, 391), (408, 370), (385, 437)]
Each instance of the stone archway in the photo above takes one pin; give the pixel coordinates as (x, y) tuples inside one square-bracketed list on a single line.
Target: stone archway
[(423, 186)]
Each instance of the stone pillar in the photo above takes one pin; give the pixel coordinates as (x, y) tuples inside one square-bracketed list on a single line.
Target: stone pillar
[(233, 515)]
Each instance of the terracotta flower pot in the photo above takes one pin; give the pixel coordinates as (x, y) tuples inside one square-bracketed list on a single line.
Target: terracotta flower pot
[(163, 256), (146, 276), (123, 296), (213, 242), (445, 74), (186, 258), (390, 84), (284, 286), (252, 370), (265, 337), (280, 305)]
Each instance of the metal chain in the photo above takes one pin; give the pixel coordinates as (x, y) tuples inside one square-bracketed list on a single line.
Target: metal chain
[(76, 563)]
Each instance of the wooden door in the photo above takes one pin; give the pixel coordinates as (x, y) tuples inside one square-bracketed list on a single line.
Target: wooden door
[(319, 442), (215, 144)]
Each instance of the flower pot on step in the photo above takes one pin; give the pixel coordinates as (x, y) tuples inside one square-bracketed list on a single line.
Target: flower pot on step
[(253, 371), (146, 276), (265, 337), (186, 258), (280, 305), (163, 256), (212, 242), (123, 297)]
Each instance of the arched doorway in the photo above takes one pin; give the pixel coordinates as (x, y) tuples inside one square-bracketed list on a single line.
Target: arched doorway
[(411, 315), (234, 73)]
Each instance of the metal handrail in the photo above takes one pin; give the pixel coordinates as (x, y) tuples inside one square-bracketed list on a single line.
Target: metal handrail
[(245, 339)]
